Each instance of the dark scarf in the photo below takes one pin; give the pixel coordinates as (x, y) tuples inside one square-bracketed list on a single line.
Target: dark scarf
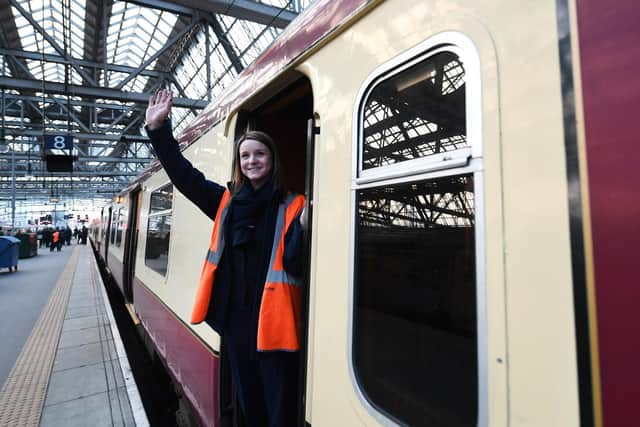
[(250, 236), (248, 210)]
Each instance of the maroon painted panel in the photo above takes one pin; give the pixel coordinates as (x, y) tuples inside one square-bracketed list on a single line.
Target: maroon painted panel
[(115, 266), (192, 365), (609, 35)]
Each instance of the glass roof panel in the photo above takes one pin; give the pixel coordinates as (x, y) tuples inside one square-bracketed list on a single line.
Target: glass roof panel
[(53, 16), (135, 34)]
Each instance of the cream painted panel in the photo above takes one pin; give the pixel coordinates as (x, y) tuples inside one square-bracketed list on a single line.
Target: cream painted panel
[(529, 243), (190, 233), (543, 376)]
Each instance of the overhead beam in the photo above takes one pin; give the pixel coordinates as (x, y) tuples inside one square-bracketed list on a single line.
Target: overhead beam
[(74, 102), (226, 44), (80, 135), (91, 92), (12, 53), (20, 173), (22, 157), (156, 55), (242, 9)]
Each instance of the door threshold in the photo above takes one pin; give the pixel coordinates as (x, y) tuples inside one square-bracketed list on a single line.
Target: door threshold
[(132, 313)]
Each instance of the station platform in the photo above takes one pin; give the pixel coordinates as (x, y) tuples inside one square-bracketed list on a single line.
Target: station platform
[(72, 369)]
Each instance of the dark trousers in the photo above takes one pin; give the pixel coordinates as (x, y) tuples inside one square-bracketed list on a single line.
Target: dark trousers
[(265, 382)]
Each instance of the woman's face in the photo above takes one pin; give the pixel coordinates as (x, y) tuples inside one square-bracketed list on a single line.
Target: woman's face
[(255, 162)]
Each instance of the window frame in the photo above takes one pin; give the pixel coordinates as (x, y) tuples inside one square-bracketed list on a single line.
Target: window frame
[(464, 161), (155, 214), (114, 226), (120, 228), (444, 42)]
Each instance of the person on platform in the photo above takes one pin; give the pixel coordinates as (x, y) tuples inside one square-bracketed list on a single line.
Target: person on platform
[(253, 304), (83, 234), (56, 241), (67, 235)]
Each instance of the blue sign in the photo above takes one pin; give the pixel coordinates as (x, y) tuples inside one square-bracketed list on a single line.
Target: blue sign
[(58, 142)]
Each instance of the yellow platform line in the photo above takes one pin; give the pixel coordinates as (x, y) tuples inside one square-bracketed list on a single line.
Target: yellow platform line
[(23, 393)]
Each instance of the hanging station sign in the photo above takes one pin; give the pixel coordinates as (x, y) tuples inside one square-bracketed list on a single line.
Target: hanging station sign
[(58, 153), (58, 142)]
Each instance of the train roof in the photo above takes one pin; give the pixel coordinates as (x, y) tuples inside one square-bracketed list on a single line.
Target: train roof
[(321, 20)]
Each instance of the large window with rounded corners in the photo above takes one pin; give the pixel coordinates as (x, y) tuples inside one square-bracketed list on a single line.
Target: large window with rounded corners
[(414, 325), (156, 254)]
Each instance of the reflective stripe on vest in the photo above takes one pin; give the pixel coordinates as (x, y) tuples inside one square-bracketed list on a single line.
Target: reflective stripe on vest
[(279, 319), (280, 308), (207, 275)]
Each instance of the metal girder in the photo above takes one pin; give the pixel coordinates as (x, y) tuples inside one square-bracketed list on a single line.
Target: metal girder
[(155, 56), (80, 135), (226, 44), (75, 102), (20, 173), (12, 53), (242, 9), (91, 92), (85, 159)]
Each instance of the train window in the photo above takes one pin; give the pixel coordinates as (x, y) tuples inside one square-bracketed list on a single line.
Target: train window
[(415, 333), (156, 254), (415, 318), (415, 116), (122, 213), (114, 221)]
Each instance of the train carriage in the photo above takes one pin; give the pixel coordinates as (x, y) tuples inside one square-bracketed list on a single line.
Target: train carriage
[(464, 213)]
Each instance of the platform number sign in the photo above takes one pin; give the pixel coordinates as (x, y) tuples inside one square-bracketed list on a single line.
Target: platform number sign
[(58, 153), (58, 142)]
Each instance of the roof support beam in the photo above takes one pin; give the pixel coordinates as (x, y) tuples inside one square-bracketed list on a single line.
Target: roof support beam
[(75, 102), (22, 157), (242, 9), (155, 56), (226, 44), (91, 92), (12, 53), (21, 173), (80, 135)]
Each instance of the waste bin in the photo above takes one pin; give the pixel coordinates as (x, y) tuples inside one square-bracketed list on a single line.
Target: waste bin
[(9, 248), (28, 244)]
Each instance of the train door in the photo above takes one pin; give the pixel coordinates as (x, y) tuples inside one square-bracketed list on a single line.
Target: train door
[(97, 238), (107, 236), (287, 117), (130, 244)]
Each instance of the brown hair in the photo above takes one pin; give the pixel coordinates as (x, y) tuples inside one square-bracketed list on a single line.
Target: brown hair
[(277, 177)]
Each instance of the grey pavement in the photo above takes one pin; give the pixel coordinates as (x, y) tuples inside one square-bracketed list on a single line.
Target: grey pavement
[(23, 295), (87, 386)]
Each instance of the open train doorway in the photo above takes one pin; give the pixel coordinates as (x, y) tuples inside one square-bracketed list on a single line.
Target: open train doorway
[(131, 244), (287, 116)]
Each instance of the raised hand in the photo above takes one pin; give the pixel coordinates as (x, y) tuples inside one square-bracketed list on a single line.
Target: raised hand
[(158, 109)]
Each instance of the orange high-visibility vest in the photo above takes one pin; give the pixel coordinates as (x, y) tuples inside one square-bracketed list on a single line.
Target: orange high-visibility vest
[(56, 236), (279, 318)]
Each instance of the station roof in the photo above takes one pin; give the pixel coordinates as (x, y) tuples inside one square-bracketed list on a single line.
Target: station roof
[(86, 68)]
